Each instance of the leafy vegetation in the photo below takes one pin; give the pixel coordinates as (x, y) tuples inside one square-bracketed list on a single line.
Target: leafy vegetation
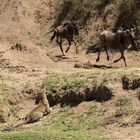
[(56, 82), (129, 13), (3, 88), (81, 11), (124, 108), (64, 124)]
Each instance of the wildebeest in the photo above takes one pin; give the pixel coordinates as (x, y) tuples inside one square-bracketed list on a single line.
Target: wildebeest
[(119, 40), (65, 31)]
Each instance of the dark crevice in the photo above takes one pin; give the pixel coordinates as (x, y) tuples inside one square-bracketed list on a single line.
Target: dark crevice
[(130, 84), (74, 97)]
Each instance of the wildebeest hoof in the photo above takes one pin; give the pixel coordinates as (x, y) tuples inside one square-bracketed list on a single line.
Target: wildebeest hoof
[(76, 52), (97, 60), (114, 61)]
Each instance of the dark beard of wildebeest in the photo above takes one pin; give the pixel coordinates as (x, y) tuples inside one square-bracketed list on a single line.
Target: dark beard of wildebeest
[(120, 40), (65, 31)]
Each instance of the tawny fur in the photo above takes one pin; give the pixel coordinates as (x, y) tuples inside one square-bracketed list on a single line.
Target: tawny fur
[(36, 114)]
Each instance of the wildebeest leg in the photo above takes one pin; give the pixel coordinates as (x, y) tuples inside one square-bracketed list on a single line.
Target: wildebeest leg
[(53, 36), (76, 49), (60, 44), (122, 57), (98, 58), (117, 60), (105, 47), (69, 45)]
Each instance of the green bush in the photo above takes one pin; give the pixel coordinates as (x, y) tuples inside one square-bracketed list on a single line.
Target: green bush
[(129, 13)]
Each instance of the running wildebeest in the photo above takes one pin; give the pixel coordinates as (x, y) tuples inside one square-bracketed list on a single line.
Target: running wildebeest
[(120, 40), (65, 31)]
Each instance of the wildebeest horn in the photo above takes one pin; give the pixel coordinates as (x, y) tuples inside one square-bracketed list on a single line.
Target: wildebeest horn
[(134, 27), (126, 31), (121, 28)]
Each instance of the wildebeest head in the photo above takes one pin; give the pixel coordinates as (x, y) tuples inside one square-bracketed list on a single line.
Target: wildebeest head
[(71, 28), (131, 36), (75, 29)]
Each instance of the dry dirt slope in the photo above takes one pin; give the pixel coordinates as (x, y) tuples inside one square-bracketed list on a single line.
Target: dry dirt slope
[(24, 20), (27, 22)]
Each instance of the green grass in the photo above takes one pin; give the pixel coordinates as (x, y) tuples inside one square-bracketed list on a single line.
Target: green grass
[(51, 135), (67, 124), (124, 109), (14, 110), (63, 81), (64, 124), (4, 89), (56, 82)]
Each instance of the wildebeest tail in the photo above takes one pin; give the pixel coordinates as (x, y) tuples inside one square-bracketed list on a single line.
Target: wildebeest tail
[(54, 34)]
